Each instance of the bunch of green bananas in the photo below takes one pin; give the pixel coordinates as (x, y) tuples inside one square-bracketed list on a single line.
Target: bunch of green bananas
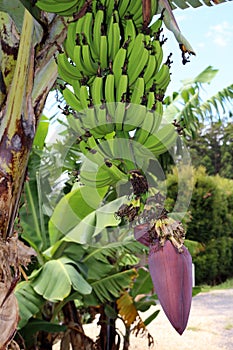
[(116, 72), (114, 82)]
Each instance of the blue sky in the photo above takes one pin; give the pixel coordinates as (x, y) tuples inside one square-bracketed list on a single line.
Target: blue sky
[(209, 30)]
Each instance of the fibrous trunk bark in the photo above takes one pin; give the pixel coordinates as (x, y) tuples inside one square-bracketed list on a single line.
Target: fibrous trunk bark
[(28, 72)]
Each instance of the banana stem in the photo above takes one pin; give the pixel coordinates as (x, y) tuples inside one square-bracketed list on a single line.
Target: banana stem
[(17, 132)]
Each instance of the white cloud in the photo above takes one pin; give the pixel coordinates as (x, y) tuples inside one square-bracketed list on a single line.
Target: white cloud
[(221, 34)]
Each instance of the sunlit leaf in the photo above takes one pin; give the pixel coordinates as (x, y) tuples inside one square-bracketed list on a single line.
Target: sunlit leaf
[(56, 278), (96, 222), (76, 205)]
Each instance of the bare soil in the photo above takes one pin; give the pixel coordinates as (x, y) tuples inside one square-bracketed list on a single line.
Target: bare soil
[(210, 326)]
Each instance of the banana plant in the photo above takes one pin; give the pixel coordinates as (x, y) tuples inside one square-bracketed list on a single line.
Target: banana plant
[(27, 53), (78, 264)]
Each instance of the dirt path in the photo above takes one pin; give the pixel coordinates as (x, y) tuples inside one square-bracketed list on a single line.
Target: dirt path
[(210, 326)]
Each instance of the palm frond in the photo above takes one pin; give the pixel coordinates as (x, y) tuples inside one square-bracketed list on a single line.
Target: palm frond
[(219, 103)]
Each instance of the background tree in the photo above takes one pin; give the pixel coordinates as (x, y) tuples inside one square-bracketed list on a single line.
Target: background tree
[(212, 148)]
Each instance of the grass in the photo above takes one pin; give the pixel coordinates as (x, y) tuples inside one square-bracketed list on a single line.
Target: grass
[(229, 327), (225, 285)]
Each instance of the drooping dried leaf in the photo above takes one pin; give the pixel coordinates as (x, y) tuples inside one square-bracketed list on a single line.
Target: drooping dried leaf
[(127, 309), (9, 316), (131, 317), (24, 253)]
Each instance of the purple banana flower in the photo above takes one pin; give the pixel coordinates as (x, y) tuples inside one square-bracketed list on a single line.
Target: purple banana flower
[(141, 234), (171, 273)]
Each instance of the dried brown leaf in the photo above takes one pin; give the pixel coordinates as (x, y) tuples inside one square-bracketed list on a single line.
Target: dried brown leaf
[(9, 316)]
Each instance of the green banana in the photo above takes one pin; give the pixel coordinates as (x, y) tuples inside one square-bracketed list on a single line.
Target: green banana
[(76, 86), (76, 124), (138, 47), (150, 99), (134, 7), (116, 40), (136, 65), (84, 96), (150, 69), (129, 34), (122, 88), (160, 142), (71, 99), (155, 27), (138, 91), (89, 118), (99, 18), (104, 124), (118, 64), (87, 27), (109, 5), (78, 60), (110, 37), (134, 116), (122, 7), (90, 65), (109, 94), (95, 154), (66, 70), (158, 53), (142, 134), (98, 178), (97, 90), (158, 115), (69, 42), (119, 115), (162, 78), (79, 26), (103, 57)]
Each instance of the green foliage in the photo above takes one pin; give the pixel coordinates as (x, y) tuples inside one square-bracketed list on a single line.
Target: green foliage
[(212, 148), (214, 265), (209, 225)]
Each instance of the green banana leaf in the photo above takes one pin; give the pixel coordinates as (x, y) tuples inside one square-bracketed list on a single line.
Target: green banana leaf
[(150, 318), (87, 231), (55, 280), (111, 287), (35, 325), (97, 258), (76, 205), (206, 76), (29, 302), (143, 283)]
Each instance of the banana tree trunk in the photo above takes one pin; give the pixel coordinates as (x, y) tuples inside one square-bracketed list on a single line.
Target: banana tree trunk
[(28, 72)]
